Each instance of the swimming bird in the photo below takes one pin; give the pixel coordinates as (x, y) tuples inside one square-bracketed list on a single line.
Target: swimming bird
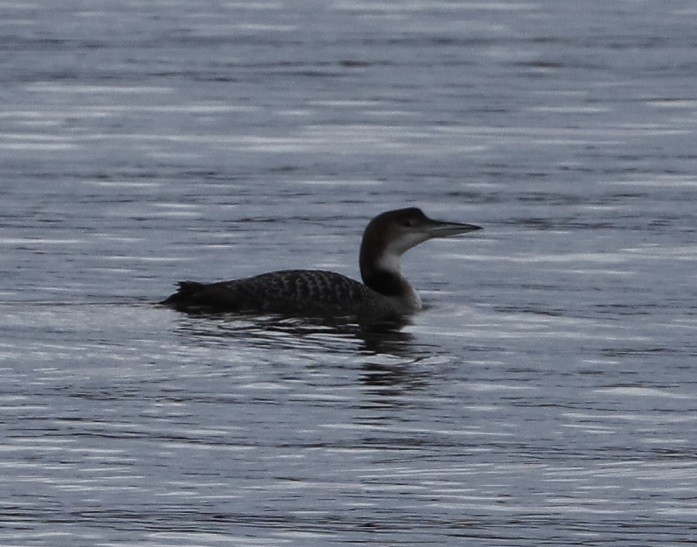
[(384, 293)]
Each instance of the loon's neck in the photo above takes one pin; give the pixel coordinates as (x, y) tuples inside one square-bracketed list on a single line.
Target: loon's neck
[(381, 271)]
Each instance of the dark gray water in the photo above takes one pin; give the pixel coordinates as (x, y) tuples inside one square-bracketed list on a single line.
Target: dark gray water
[(546, 396)]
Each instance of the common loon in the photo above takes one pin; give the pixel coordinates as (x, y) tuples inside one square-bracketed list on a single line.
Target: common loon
[(384, 293)]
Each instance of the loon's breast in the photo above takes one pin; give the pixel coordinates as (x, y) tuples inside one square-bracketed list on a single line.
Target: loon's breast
[(297, 292)]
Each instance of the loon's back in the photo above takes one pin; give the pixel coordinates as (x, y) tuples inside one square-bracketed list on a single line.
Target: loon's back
[(294, 292)]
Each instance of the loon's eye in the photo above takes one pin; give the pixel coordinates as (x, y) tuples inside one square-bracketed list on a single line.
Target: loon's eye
[(409, 223)]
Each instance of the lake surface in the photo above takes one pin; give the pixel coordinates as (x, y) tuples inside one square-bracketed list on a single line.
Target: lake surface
[(547, 395)]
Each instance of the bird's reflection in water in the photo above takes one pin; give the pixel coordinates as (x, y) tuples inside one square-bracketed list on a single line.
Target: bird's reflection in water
[(308, 333), (389, 363)]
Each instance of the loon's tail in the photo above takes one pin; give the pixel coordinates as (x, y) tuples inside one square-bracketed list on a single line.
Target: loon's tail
[(185, 293)]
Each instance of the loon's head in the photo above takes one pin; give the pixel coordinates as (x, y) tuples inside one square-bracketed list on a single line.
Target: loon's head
[(389, 235), (395, 232)]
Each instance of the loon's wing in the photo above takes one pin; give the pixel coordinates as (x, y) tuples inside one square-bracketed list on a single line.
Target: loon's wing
[(287, 291)]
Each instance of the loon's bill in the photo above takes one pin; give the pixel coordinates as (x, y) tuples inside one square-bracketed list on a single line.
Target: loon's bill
[(384, 293)]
